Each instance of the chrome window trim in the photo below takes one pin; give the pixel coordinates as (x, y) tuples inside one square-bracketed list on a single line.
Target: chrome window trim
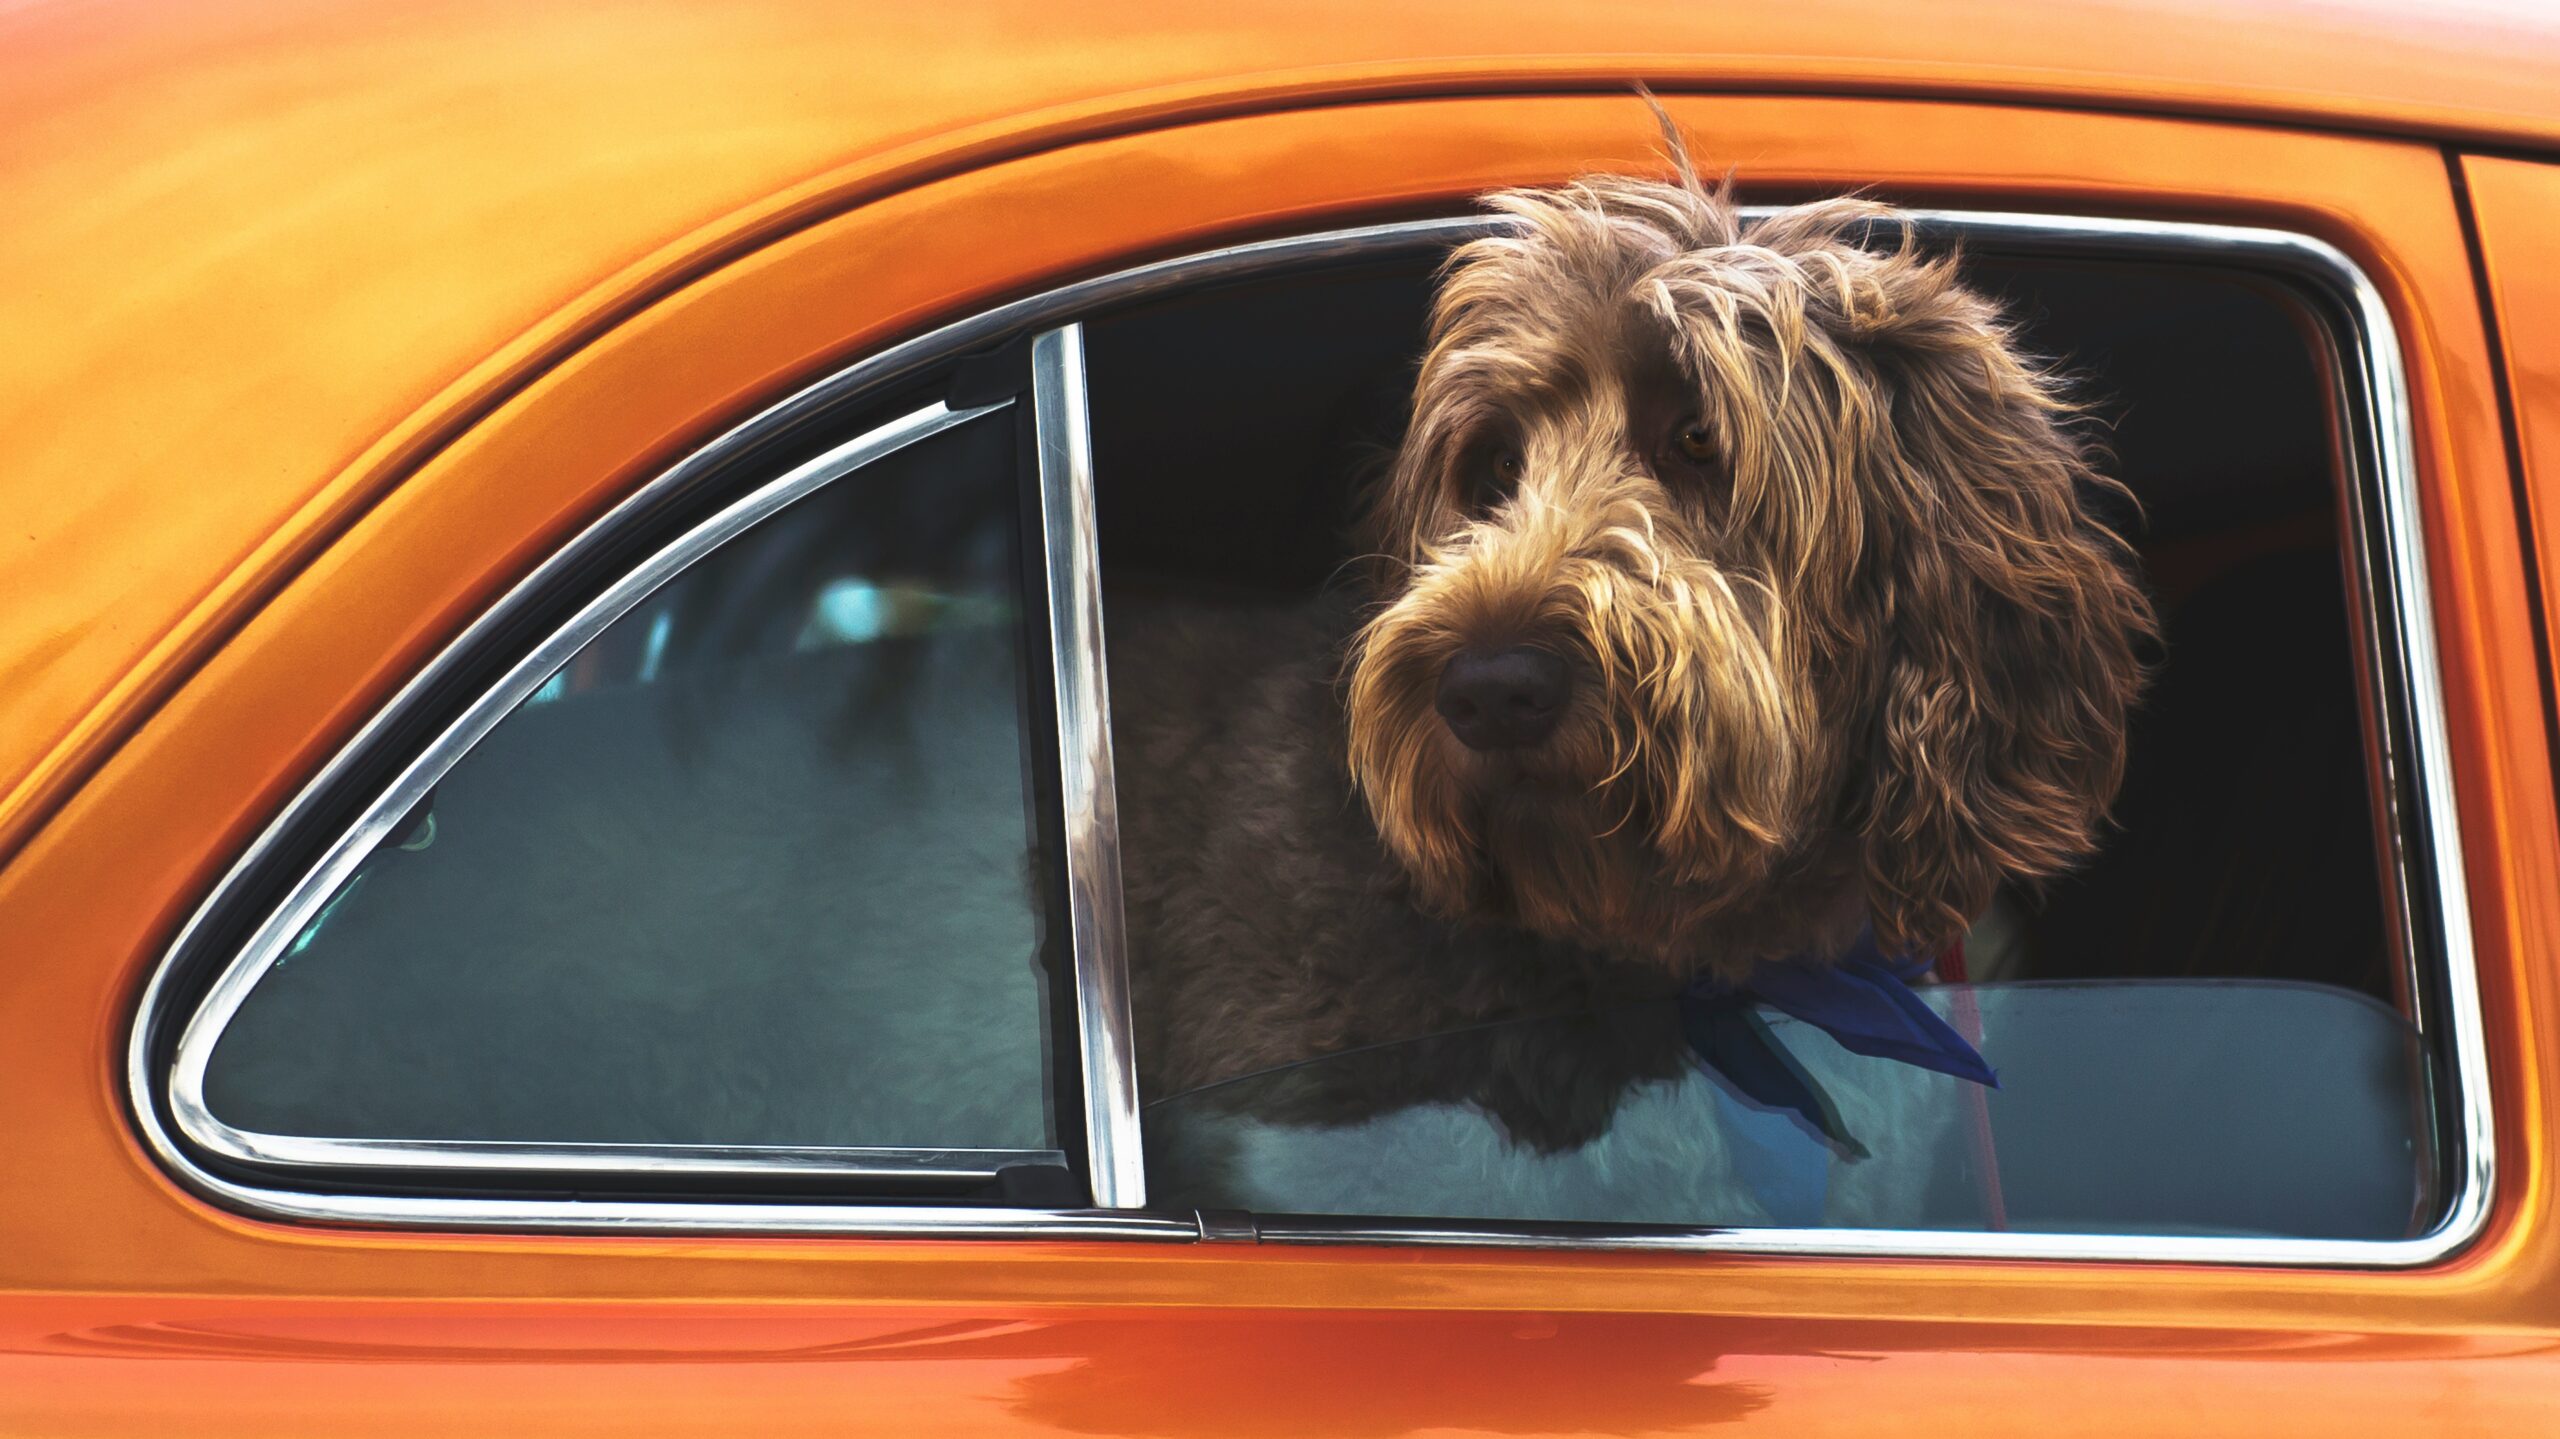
[(1088, 791), (565, 1157), (2389, 553), (188, 1106)]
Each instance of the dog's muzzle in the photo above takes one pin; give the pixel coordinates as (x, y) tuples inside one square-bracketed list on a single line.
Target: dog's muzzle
[(1503, 699)]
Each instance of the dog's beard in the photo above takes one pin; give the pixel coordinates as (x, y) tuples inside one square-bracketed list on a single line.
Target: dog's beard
[(1671, 786)]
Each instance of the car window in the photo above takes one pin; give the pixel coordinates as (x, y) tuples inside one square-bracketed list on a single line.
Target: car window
[(2219, 1026), (757, 866), (790, 867)]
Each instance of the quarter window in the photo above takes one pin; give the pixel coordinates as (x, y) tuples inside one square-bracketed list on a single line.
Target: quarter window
[(755, 875)]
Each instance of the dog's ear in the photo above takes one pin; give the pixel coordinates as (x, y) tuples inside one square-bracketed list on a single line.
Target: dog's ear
[(2010, 621)]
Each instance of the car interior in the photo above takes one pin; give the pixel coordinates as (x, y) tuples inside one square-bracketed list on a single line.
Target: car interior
[(1233, 427)]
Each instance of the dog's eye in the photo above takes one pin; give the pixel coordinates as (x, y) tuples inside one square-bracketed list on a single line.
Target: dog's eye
[(1691, 451), (1492, 475)]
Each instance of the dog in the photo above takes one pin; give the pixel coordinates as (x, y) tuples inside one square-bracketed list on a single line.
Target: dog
[(1736, 589)]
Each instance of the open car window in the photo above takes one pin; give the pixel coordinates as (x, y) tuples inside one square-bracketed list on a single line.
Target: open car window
[(2235, 1023)]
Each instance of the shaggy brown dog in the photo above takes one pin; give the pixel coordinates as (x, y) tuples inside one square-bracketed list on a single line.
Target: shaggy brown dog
[(1734, 591)]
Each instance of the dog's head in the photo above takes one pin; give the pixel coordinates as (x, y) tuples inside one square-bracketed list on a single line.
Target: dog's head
[(1738, 588)]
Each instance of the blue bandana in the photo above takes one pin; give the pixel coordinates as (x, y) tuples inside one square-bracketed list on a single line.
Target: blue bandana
[(1864, 1000)]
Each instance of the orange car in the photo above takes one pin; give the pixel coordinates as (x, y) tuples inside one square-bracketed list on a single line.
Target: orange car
[(556, 790)]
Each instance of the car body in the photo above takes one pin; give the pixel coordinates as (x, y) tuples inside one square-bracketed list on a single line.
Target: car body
[(331, 322)]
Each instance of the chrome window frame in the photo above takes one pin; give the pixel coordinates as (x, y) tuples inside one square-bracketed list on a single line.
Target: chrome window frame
[(2385, 551), (303, 905), (1088, 794)]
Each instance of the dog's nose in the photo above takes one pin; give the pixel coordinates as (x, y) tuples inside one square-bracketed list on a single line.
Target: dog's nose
[(1503, 699)]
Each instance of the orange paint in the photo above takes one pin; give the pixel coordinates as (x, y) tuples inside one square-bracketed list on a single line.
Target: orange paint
[(267, 255), (2516, 204), (1238, 1374), (340, 320)]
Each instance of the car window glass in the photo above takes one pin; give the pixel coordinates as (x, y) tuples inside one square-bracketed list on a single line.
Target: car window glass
[(756, 867), (2226, 1107)]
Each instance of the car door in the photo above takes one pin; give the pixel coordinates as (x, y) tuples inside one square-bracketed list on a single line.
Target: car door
[(809, 1280)]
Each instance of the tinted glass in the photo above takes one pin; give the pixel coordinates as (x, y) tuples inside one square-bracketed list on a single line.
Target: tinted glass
[(756, 867), (2150, 1107)]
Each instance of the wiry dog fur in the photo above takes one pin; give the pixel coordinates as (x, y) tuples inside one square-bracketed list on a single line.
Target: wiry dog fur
[(1843, 646)]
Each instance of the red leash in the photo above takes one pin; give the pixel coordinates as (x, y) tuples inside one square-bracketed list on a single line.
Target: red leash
[(1967, 1015)]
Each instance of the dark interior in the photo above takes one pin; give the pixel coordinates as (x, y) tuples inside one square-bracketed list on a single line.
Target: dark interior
[(1232, 427)]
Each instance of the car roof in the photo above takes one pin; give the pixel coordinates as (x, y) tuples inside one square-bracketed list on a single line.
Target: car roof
[(249, 243)]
